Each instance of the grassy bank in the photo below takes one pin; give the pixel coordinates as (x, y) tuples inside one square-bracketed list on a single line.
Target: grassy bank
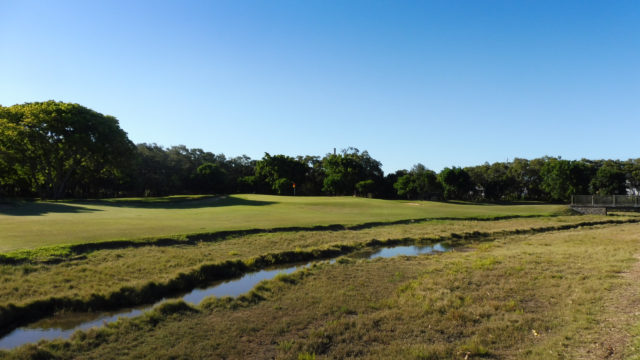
[(110, 279), (29, 225), (104, 271), (536, 296)]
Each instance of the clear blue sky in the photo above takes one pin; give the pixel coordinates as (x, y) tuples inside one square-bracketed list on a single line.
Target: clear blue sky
[(438, 82)]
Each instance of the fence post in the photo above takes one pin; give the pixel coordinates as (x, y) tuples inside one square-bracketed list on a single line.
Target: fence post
[(593, 201), (572, 202), (614, 200)]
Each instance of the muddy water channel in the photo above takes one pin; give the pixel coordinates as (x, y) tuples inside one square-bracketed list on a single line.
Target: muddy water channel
[(63, 325)]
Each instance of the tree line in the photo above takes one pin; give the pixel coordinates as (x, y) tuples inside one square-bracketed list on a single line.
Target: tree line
[(58, 150)]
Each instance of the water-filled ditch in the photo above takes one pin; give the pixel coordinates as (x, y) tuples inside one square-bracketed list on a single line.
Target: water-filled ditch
[(61, 326)]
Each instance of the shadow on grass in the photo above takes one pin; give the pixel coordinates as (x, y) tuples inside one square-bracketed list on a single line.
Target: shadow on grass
[(186, 203), (33, 208), (41, 208)]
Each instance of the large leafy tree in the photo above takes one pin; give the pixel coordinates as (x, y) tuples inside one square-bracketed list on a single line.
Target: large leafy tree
[(210, 178), (527, 178), (563, 178), (493, 180), (419, 183), (610, 179), (343, 171), (388, 190), (280, 172), (48, 145), (456, 183)]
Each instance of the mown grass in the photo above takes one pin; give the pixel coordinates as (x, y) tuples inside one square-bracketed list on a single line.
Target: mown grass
[(105, 271), (29, 225), (540, 296)]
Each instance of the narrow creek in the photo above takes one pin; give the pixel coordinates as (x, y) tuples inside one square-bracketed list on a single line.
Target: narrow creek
[(62, 326)]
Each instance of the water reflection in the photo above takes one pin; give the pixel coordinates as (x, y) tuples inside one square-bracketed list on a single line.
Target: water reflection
[(62, 326), (407, 251)]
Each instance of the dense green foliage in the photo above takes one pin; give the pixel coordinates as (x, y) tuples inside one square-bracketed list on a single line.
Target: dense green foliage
[(344, 171), (419, 183), (60, 150), (51, 146), (280, 172), (456, 183)]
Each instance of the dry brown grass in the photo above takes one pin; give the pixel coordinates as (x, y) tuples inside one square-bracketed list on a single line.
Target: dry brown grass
[(105, 271), (544, 296)]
